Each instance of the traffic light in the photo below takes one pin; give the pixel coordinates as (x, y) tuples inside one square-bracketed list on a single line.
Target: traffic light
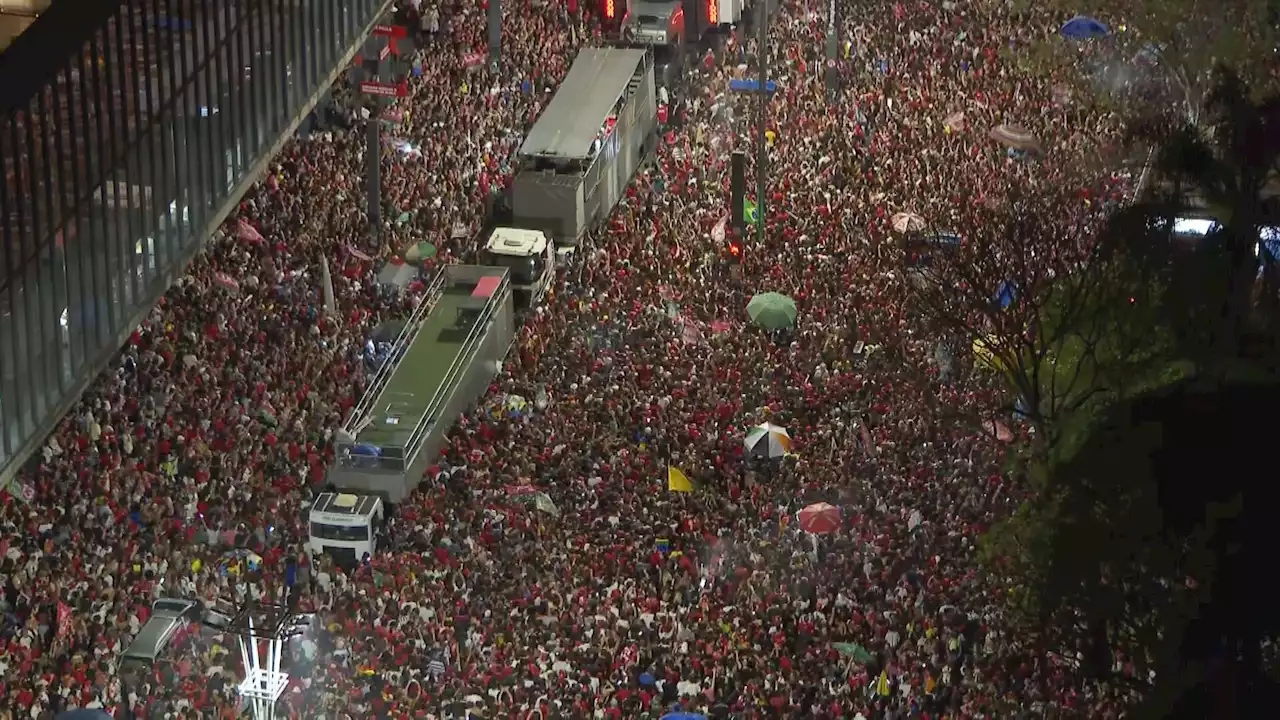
[(735, 249), (713, 12), (610, 11)]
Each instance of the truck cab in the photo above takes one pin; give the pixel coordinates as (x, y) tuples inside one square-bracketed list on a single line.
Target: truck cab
[(530, 257), (659, 23), (345, 526)]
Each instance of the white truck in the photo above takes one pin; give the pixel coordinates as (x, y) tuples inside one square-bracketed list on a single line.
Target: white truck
[(530, 256), (345, 526)]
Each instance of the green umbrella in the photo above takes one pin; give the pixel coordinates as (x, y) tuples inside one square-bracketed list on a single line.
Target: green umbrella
[(404, 218), (772, 310), (419, 252), (858, 653)]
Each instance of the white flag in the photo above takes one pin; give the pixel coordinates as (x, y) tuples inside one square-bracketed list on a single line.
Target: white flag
[(327, 280)]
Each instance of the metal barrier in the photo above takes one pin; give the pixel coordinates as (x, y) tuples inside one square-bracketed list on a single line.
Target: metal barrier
[(412, 327)]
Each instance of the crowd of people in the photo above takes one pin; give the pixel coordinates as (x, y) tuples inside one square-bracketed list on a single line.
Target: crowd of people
[(214, 426)]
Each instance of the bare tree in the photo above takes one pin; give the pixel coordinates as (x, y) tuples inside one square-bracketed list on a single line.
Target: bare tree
[(1045, 298)]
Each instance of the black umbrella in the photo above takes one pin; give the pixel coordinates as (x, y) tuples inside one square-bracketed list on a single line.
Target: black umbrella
[(388, 331)]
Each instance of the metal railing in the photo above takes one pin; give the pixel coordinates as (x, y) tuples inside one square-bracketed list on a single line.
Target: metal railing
[(350, 460), (459, 367), (407, 335)]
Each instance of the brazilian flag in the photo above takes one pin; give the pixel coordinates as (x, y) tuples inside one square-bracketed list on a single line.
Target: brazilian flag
[(750, 213)]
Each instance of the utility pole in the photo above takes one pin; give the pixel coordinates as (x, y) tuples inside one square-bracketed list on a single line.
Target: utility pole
[(382, 44), (762, 150), (373, 150)]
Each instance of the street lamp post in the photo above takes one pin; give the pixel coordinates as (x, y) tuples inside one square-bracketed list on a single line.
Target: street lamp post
[(762, 150), (262, 630)]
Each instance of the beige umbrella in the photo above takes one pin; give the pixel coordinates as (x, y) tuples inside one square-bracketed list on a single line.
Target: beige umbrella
[(905, 222), (954, 121), (1015, 137)]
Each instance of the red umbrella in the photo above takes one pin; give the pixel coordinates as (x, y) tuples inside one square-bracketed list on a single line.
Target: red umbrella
[(819, 518)]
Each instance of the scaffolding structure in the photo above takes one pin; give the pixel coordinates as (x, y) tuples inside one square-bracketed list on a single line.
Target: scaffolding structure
[(262, 630)]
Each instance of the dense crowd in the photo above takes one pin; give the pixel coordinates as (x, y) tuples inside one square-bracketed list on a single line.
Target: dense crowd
[(216, 422)]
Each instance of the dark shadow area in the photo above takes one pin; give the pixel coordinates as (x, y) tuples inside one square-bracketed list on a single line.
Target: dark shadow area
[(1199, 454)]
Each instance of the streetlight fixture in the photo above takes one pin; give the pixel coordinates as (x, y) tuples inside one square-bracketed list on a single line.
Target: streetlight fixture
[(262, 630)]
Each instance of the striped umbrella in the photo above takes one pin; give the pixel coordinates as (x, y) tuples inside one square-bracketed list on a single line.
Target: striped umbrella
[(767, 440)]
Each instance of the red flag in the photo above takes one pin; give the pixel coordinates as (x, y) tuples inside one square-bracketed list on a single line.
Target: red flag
[(248, 233), (364, 257), (64, 619), (226, 281)]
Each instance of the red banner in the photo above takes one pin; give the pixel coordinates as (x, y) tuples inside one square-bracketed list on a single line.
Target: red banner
[(383, 90), (391, 31)]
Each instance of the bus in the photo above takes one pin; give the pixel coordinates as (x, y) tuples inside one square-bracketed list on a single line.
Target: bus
[(345, 526)]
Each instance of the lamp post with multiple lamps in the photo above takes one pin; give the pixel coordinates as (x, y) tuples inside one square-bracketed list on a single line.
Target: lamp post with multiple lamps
[(262, 630)]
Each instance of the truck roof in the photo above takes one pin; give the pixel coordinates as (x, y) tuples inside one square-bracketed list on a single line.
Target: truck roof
[(662, 9), (517, 242), (346, 504), (569, 125)]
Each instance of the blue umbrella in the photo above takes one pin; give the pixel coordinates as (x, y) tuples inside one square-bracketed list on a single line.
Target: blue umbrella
[(1021, 409), (84, 714), (944, 238), (1084, 28), (683, 716), (1006, 294), (647, 679)]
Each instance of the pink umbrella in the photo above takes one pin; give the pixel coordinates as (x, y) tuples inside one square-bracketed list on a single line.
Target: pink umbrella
[(1014, 136), (905, 222), (819, 518), (998, 430)]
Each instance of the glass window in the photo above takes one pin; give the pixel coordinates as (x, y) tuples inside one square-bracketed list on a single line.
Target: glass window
[(341, 533)]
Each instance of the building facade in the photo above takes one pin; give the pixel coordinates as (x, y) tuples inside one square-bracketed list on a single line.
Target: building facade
[(129, 129)]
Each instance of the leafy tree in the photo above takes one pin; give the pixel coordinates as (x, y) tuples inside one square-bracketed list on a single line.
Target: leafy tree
[(1148, 537), (1224, 169)]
